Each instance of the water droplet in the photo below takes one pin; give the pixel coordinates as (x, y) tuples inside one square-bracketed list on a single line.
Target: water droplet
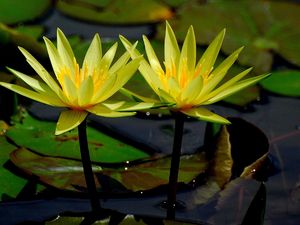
[(148, 113), (127, 162), (253, 171), (126, 168)]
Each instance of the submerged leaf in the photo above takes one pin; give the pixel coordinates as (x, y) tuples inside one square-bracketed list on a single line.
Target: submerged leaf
[(116, 12)]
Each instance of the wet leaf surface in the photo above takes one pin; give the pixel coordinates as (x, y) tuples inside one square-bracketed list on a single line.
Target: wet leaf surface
[(39, 136), (285, 82), (10, 184), (116, 12), (14, 11), (67, 174)]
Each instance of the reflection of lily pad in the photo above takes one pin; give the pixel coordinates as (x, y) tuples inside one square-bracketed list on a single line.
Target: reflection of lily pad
[(260, 27), (39, 136), (15, 11), (116, 12), (285, 82)]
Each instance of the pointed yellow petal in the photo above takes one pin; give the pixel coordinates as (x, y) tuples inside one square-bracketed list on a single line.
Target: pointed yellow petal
[(65, 51), (145, 69), (108, 57), (235, 88), (70, 90), (119, 63), (43, 98), (102, 110), (135, 106), (188, 54), (33, 83), (113, 105), (206, 115), (123, 75), (42, 72), (101, 94), (219, 73), (93, 55), (86, 91), (135, 97), (68, 120), (172, 52), (55, 59), (193, 89), (165, 97), (209, 57), (152, 58)]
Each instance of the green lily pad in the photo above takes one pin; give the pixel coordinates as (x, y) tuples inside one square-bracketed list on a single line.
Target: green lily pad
[(116, 12), (35, 31), (14, 11), (285, 82), (11, 184), (262, 28), (39, 136), (21, 38), (67, 174)]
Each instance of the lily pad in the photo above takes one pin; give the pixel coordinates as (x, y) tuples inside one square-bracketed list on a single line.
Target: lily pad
[(39, 136), (285, 82), (67, 174), (15, 11), (11, 184), (262, 28), (116, 12)]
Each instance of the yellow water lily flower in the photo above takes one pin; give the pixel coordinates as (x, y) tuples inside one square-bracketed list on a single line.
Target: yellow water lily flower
[(81, 90), (185, 83)]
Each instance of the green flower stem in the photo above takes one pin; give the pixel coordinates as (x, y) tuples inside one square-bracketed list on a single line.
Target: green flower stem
[(87, 167), (175, 161)]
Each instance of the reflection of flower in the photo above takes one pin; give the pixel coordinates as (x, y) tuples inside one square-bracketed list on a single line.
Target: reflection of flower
[(186, 84), (81, 90)]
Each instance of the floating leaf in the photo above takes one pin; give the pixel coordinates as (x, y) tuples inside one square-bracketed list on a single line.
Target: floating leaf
[(262, 27), (39, 136), (285, 82), (15, 11), (68, 174), (116, 12), (34, 31), (22, 39), (11, 184)]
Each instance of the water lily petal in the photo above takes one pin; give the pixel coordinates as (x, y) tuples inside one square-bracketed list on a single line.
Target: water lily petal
[(86, 91), (43, 98), (165, 97), (209, 57), (136, 106), (34, 83), (93, 55), (152, 58), (102, 110), (68, 120), (108, 57), (187, 57), (54, 56), (100, 94), (65, 51), (206, 115), (119, 63), (70, 90), (136, 97), (123, 75), (219, 73), (235, 88), (42, 72), (193, 89), (148, 73), (172, 52)]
